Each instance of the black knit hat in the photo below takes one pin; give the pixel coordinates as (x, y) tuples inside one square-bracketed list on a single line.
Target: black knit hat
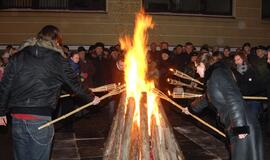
[(81, 48), (99, 44)]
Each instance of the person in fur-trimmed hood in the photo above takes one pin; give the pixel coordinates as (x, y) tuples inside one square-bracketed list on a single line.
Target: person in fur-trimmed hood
[(30, 89)]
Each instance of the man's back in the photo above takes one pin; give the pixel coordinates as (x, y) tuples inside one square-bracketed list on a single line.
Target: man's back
[(35, 76)]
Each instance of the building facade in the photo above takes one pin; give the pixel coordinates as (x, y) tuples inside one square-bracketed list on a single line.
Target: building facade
[(85, 28)]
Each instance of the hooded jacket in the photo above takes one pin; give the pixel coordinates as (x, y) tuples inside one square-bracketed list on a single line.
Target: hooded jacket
[(33, 79)]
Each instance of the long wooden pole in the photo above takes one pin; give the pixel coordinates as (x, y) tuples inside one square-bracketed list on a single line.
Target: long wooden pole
[(104, 88), (165, 97), (176, 82), (184, 76), (190, 95), (114, 92)]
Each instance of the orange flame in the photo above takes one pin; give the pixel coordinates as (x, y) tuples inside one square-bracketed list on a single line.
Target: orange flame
[(136, 66)]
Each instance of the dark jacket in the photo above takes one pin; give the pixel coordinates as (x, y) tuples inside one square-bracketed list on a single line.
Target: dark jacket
[(180, 61), (87, 67), (248, 82), (103, 71), (75, 67), (223, 93), (33, 79)]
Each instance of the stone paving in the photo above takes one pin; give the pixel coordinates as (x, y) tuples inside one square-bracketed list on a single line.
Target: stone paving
[(89, 136)]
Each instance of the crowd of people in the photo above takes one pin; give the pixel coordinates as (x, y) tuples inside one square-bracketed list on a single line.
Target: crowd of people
[(247, 74)]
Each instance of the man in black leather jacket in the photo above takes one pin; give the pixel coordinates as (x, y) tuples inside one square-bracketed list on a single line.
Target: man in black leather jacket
[(242, 128), (30, 89)]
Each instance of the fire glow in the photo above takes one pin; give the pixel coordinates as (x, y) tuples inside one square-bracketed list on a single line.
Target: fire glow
[(140, 129), (136, 68)]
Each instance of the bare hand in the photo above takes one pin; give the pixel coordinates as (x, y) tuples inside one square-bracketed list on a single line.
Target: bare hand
[(96, 100), (242, 136), (186, 111), (3, 121)]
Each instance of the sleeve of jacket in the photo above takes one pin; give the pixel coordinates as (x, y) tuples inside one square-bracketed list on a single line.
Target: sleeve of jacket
[(234, 101), (71, 80), (6, 84), (199, 104)]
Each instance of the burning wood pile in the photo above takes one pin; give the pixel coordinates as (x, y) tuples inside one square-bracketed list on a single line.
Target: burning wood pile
[(140, 130), (130, 140)]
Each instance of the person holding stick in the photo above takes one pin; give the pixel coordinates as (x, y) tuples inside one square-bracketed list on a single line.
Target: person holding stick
[(30, 89), (243, 130)]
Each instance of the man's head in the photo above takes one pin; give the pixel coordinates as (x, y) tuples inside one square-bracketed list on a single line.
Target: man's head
[(194, 56), (165, 54), (227, 51), (65, 49), (178, 49), (99, 47), (164, 45), (246, 47), (114, 53), (153, 46), (81, 50), (260, 51), (50, 33), (74, 56), (189, 47)]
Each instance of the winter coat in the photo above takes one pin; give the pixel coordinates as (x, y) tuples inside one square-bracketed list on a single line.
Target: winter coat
[(223, 93), (33, 79), (75, 67), (103, 73), (87, 71), (248, 82)]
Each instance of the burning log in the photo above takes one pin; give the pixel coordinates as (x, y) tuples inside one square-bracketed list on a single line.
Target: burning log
[(129, 139)]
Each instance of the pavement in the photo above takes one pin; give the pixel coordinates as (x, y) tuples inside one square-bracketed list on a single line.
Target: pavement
[(90, 129)]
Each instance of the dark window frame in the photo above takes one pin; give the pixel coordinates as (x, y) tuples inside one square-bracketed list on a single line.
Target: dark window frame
[(198, 13), (68, 8), (265, 15)]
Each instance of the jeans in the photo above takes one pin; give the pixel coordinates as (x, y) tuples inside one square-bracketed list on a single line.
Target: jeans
[(29, 143)]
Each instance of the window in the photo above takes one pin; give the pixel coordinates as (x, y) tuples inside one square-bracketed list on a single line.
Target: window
[(94, 5), (265, 9), (201, 7)]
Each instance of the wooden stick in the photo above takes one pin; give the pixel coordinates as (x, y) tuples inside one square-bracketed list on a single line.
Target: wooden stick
[(185, 95), (107, 87), (126, 143), (175, 82), (254, 98), (144, 136), (165, 97), (113, 143), (191, 95), (185, 76), (114, 92), (104, 88), (65, 95)]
